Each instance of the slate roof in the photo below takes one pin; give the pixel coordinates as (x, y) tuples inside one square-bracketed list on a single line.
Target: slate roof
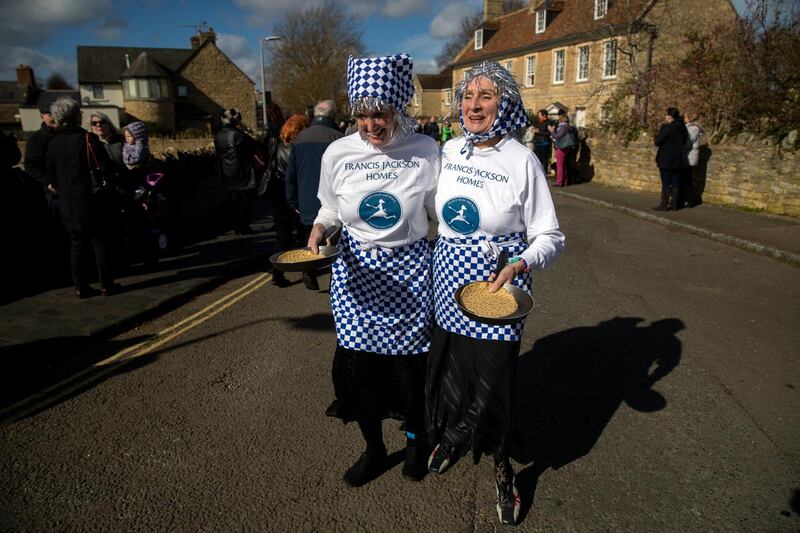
[(145, 67), (50, 96), (516, 32), (106, 64), (443, 80), (11, 92)]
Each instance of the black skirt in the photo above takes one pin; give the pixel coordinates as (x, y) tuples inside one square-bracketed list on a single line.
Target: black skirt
[(469, 393), (371, 386)]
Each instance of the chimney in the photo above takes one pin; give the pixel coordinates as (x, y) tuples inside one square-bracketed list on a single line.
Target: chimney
[(492, 9), (194, 41), (25, 76), (209, 35)]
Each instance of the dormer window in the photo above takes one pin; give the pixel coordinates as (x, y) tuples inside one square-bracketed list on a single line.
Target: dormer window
[(479, 39), (600, 8), (541, 20)]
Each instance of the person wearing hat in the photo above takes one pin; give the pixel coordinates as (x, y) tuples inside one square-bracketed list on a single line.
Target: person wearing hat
[(492, 198), (36, 147), (235, 150), (378, 186)]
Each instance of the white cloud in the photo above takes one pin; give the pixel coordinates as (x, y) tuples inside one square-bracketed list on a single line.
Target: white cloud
[(111, 28), (33, 21), (447, 24), (238, 49), (43, 64), (402, 8)]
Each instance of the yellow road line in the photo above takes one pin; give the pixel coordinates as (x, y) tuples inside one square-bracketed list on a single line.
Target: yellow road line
[(106, 366)]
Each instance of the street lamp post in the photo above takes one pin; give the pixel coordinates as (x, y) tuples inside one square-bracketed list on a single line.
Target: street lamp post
[(263, 79)]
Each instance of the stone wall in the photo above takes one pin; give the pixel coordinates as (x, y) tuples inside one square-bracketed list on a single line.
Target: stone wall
[(161, 112), (215, 83), (741, 172)]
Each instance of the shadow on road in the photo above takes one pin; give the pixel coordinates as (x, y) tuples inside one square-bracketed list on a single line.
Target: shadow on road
[(571, 383)]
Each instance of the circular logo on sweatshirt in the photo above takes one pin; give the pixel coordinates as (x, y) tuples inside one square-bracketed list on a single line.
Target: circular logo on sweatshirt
[(381, 210), (461, 215)]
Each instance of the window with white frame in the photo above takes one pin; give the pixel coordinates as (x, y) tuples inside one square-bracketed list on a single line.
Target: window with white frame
[(610, 60), (559, 57), (510, 67), (580, 117), (97, 92), (541, 20), (530, 71), (479, 39), (582, 72), (448, 97), (600, 8), (416, 98)]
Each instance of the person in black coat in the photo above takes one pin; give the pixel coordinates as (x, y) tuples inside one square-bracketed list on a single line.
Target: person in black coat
[(302, 172), (88, 214), (235, 150), (671, 159)]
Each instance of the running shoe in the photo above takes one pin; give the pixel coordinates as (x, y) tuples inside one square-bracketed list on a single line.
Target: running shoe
[(508, 502), (440, 458)]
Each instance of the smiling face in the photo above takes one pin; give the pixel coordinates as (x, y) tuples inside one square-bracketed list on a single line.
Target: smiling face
[(376, 126), (99, 126), (479, 105)]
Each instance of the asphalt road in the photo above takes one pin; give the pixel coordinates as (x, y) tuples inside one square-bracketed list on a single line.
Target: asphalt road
[(659, 391)]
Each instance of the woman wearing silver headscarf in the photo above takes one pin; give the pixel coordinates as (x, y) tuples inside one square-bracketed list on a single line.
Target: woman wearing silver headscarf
[(378, 185), (492, 197)]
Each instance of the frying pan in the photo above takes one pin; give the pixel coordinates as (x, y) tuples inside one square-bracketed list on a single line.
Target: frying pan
[(329, 254)]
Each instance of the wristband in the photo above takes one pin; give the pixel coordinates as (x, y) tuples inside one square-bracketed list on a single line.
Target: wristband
[(515, 259)]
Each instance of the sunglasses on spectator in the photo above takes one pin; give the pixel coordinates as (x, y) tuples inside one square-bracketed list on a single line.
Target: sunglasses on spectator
[(98, 122)]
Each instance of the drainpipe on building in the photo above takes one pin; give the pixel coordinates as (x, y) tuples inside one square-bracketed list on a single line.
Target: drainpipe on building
[(652, 32)]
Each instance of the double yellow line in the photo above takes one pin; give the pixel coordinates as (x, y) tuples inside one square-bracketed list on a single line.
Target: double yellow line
[(98, 370)]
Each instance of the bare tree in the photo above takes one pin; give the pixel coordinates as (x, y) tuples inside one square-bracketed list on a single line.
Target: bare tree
[(56, 82), (309, 63)]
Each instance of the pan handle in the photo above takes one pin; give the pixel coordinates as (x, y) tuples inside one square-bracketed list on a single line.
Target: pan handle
[(502, 261), (331, 234)]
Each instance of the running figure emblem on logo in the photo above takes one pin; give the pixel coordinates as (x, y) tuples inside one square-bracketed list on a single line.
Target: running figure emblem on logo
[(381, 210), (461, 215)]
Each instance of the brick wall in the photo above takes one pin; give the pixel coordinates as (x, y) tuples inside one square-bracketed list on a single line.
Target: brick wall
[(742, 172)]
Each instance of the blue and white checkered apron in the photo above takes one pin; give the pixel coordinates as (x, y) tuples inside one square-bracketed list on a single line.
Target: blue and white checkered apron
[(382, 298), (460, 261)]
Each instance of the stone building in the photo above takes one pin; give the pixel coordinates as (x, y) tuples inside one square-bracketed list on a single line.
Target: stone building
[(570, 54), (432, 95), (172, 88)]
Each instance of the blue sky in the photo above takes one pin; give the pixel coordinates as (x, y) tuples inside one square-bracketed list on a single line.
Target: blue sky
[(44, 33)]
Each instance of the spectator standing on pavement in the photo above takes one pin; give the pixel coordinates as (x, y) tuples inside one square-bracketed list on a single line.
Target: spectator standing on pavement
[(36, 147), (541, 138), (694, 182), (287, 221), (433, 129), (565, 137), (88, 213), (471, 376), (671, 159), (447, 131), (235, 150), (379, 187), (302, 171), (112, 140)]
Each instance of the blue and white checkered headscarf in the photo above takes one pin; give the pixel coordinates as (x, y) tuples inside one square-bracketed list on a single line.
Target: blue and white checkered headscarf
[(511, 116), (387, 78)]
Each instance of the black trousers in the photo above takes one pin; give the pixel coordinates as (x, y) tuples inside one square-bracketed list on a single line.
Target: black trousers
[(80, 251)]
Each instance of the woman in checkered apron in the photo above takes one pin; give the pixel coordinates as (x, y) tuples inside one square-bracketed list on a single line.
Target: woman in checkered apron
[(379, 184), (491, 197)]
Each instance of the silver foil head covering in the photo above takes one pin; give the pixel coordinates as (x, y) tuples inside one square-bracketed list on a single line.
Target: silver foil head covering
[(511, 116), (403, 124)]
